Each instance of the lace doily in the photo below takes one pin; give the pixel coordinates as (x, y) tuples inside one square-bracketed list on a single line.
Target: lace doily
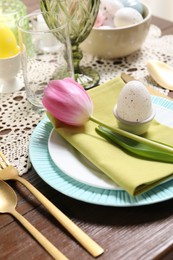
[(18, 120)]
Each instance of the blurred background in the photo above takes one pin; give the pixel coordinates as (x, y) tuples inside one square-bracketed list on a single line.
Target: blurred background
[(161, 8)]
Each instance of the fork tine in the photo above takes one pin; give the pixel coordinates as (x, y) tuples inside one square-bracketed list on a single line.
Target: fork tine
[(3, 161)]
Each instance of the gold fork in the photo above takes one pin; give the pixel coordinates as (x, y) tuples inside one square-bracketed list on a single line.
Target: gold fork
[(9, 172)]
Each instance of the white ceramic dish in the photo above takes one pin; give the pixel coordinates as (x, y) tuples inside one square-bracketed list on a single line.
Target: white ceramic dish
[(137, 128), (118, 42), (60, 181), (9, 68), (75, 165)]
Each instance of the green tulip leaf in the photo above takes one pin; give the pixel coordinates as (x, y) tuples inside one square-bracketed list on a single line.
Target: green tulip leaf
[(134, 147)]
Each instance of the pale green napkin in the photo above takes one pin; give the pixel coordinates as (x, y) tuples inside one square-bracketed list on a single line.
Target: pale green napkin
[(133, 174)]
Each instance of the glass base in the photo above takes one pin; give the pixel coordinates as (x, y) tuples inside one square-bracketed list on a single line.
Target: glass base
[(88, 77), (62, 73)]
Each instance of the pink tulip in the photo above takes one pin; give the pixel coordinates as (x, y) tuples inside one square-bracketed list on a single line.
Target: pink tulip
[(67, 101)]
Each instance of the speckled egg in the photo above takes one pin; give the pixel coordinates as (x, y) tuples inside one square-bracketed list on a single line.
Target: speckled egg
[(113, 6), (134, 102), (108, 8), (127, 16), (134, 4), (100, 19)]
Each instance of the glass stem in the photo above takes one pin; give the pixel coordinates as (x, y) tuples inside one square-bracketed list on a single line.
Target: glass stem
[(76, 56)]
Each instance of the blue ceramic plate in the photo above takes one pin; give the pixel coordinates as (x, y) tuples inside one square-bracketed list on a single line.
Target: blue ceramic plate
[(52, 175)]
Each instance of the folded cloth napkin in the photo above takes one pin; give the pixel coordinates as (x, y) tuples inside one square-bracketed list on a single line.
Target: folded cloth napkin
[(135, 175)]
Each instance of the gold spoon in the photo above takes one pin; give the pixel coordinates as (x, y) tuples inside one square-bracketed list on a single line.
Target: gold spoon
[(8, 202), (162, 73), (126, 78), (9, 172)]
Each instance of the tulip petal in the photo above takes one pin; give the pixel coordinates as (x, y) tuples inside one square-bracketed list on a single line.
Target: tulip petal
[(67, 101)]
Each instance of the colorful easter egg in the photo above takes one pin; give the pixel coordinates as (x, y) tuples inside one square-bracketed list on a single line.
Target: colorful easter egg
[(8, 43)]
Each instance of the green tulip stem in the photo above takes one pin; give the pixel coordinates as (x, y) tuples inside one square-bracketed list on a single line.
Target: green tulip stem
[(134, 137)]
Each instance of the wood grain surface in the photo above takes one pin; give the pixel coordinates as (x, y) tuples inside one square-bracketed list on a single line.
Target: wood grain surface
[(134, 233)]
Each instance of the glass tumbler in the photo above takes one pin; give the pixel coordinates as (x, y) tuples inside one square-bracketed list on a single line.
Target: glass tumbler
[(10, 12), (45, 54)]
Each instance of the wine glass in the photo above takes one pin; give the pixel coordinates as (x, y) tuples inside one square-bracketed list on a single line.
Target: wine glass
[(80, 15)]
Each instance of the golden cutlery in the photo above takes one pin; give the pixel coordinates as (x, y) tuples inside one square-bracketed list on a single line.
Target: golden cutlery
[(9, 172), (162, 73), (8, 202), (126, 78)]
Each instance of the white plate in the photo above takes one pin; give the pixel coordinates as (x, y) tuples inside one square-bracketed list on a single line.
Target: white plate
[(75, 165), (53, 176)]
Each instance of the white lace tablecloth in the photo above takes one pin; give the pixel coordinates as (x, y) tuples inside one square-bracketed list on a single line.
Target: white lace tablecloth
[(18, 120)]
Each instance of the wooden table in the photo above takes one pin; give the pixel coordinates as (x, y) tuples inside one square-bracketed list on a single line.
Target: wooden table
[(125, 233)]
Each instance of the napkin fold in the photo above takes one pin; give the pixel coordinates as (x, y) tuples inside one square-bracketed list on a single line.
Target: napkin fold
[(135, 175)]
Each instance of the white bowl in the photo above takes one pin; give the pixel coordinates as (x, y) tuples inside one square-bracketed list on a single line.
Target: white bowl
[(118, 42), (137, 128)]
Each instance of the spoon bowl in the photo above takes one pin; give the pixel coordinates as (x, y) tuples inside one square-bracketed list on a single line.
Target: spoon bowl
[(162, 73), (8, 202), (8, 198)]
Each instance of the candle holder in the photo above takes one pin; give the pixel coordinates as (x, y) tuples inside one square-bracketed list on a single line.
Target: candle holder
[(9, 68), (10, 12)]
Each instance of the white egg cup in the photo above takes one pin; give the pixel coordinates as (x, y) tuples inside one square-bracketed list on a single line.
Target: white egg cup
[(9, 68), (137, 128)]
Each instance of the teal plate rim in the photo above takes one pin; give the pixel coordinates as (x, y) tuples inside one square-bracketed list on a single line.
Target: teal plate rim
[(53, 176)]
